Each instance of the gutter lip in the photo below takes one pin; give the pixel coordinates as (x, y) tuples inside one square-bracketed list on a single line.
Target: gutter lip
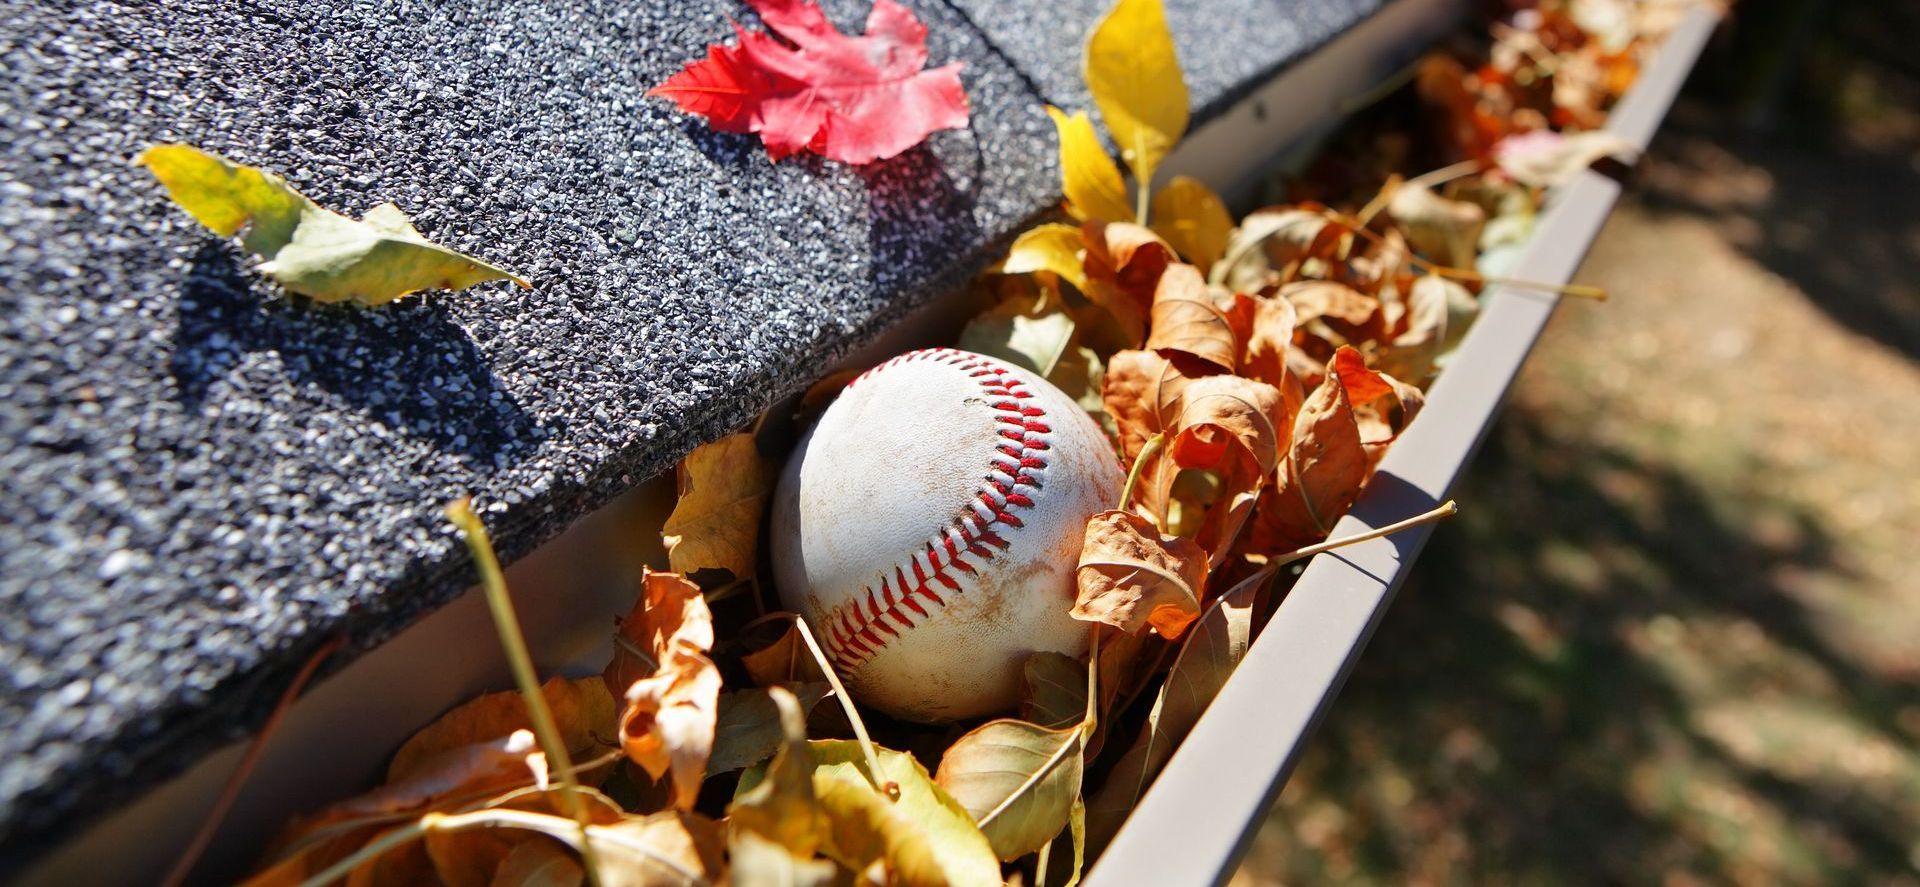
[(1195, 822)]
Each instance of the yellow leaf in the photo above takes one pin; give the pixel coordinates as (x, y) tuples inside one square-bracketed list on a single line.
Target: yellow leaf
[(1187, 214), (1088, 176), (309, 249), (1135, 79), (1050, 247), (716, 524)]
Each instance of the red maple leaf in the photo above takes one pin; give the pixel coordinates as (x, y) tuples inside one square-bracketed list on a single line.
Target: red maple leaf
[(851, 99)]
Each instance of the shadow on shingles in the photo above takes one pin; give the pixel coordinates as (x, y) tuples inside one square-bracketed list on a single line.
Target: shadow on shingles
[(920, 219), (407, 365), (1541, 683), (729, 150)]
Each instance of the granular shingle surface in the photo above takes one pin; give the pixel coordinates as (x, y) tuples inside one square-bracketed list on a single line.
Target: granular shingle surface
[(204, 480)]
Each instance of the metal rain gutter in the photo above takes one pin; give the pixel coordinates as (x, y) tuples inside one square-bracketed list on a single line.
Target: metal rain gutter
[(1193, 825)]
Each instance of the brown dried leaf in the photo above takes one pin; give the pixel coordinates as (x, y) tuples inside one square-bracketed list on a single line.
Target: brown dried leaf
[(1269, 340), (1132, 578), (1422, 333), (1382, 405), (724, 487), (1142, 393), (1322, 474), (1218, 412), (670, 614), (582, 709), (1188, 319), (1206, 659), (538, 863), (1315, 299), (785, 661), (1267, 241), (1445, 231)]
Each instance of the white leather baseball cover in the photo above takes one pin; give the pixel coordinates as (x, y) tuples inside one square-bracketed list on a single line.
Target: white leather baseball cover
[(928, 526)]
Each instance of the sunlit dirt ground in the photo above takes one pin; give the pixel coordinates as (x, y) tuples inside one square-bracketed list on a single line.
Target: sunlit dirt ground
[(1675, 635)]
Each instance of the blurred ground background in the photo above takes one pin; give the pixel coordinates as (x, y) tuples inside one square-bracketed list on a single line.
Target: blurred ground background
[(1675, 635)]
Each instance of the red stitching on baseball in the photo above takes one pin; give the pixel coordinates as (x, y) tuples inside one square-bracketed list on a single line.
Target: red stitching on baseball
[(1014, 470)]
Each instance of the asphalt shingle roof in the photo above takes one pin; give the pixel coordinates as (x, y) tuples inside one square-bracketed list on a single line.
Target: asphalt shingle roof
[(205, 481)]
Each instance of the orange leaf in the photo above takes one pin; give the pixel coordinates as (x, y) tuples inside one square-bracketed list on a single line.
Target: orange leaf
[(672, 689), (1188, 319), (1218, 412), (1382, 405), (1124, 262), (1132, 578), (1142, 393)]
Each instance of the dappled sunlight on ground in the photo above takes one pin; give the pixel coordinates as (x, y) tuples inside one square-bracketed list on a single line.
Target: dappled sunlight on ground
[(1674, 636)]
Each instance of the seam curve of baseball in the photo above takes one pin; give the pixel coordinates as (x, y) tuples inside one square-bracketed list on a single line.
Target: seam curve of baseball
[(916, 589)]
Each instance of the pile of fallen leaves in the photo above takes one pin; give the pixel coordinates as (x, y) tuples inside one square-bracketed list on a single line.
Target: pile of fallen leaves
[(1252, 374)]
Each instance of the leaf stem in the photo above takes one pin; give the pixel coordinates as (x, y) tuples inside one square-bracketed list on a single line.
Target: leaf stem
[(494, 583), (888, 789), (1446, 509), (1133, 475)]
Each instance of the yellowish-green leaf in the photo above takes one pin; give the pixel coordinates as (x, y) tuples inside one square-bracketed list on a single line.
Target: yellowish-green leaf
[(715, 525), (754, 860), (1135, 79), (923, 838), (782, 808), (1088, 175), (1028, 334), (1215, 646), (1187, 214), (747, 729), (670, 849), (309, 249), (1018, 780), (1053, 690)]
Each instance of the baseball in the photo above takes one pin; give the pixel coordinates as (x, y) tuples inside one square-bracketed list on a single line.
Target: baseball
[(928, 526)]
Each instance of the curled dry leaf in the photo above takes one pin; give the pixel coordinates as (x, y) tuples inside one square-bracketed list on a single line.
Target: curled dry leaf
[(1382, 405), (1445, 231), (538, 864), (715, 525), (1422, 331), (1546, 158), (1188, 215), (309, 249), (1267, 242), (785, 661), (1142, 393), (668, 722), (1135, 78), (1206, 659), (1124, 263), (1324, 469), (1220, 413), (1268, 341), (1088, 176), (582, 709), (1131, 577), (1018, 780), (1187, 318)]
